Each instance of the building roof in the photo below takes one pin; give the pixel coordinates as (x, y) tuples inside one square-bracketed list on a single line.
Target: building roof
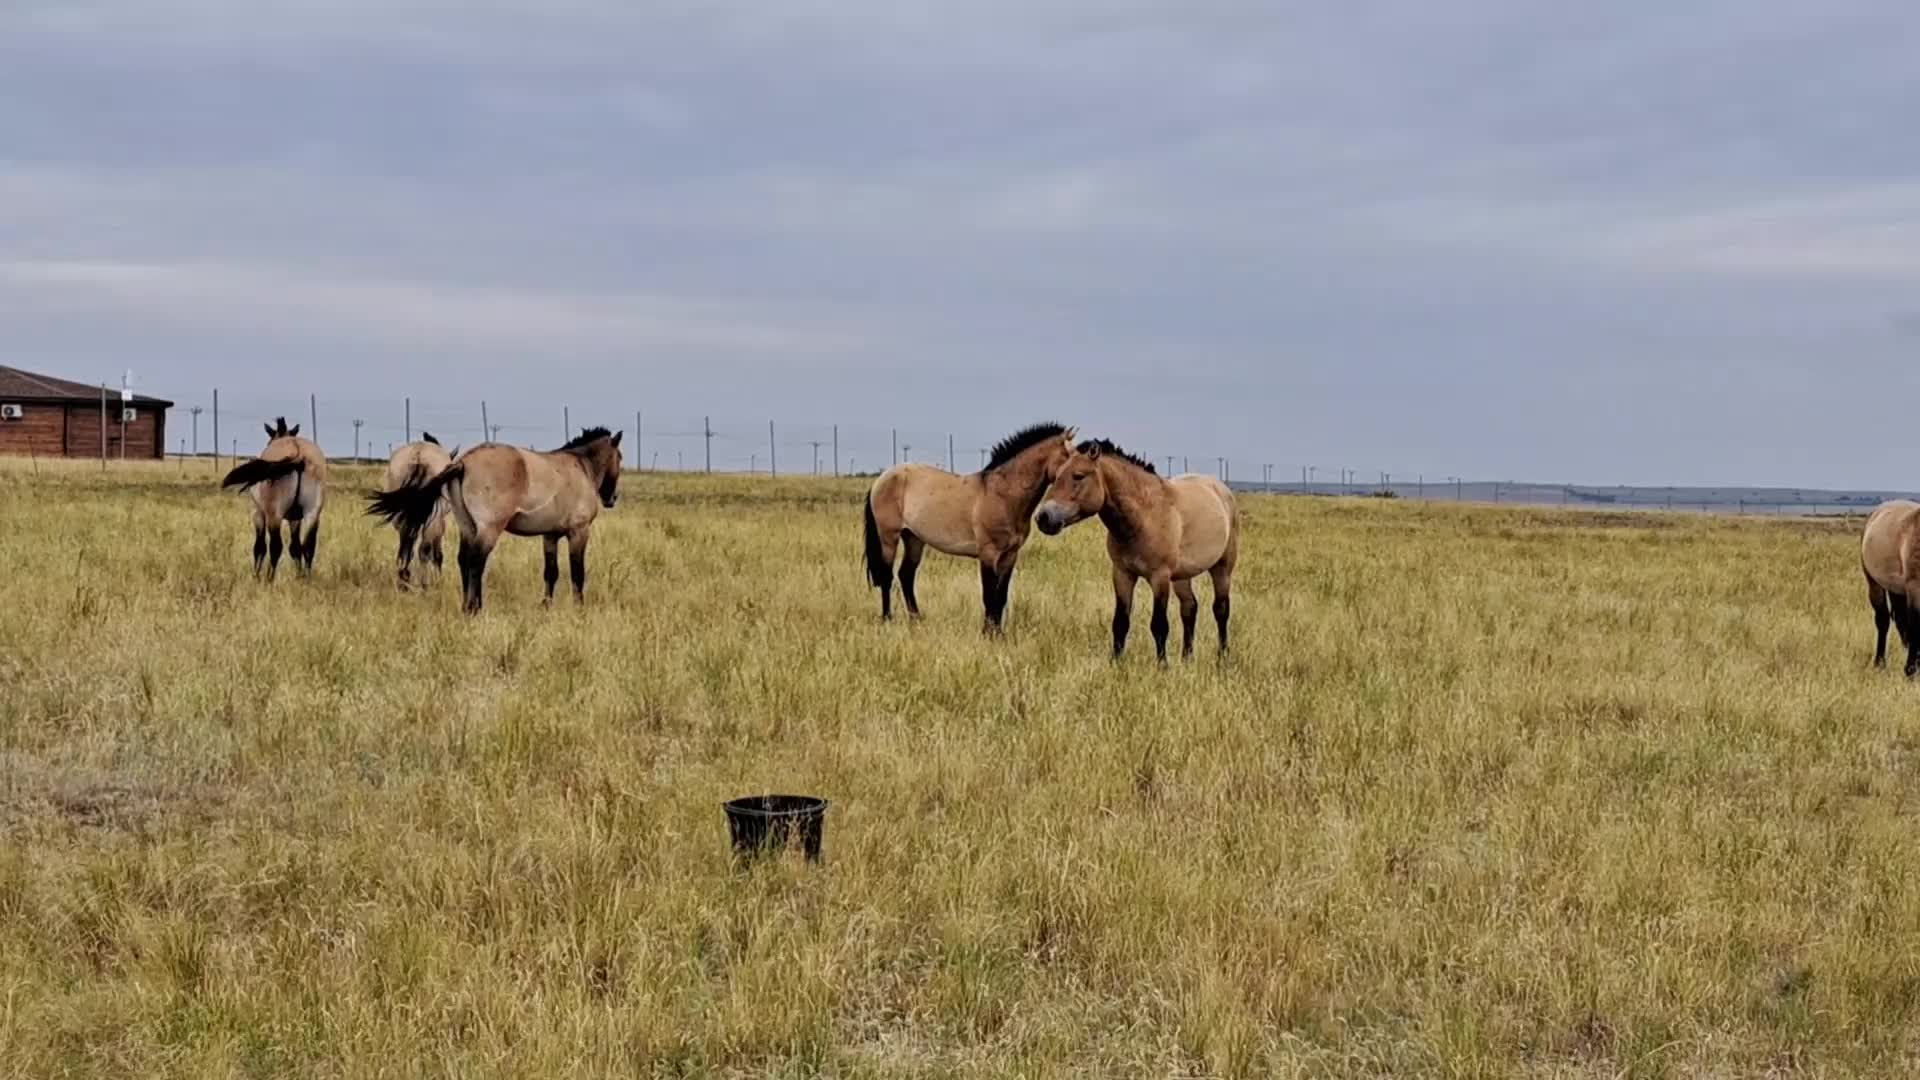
[(17, 385)]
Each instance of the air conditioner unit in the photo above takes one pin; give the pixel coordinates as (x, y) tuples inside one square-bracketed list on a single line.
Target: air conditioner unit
[(12, 412), (128, 416)]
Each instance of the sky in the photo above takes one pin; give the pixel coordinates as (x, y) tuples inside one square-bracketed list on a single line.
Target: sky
[(1638, 242)]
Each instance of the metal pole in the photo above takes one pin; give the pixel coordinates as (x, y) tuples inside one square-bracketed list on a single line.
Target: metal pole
[(949, 451), (896, 446), (773, 460), (356, 438), (409, 419), (637, 429), (216, 429), (706, 425), (836, 449), (815, 443), (196, 431), (486, 429), (313, 417), (103, 427), (566, 424)]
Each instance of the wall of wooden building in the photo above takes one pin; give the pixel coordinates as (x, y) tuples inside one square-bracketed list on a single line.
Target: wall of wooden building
[(54, 430)]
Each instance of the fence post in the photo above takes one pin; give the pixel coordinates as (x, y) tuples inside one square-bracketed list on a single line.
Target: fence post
[(706, 425), (216, 429), (836, 449), (313, 417), (409, 419), (773, 459)]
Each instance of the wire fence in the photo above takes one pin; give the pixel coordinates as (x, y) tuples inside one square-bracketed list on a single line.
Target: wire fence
[(224, 427)]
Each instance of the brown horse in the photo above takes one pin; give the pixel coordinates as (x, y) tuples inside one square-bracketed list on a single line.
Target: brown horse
[(415, 463), (983, 516), (1166, 531), (494, 489), (288, 482), (1890, 556)]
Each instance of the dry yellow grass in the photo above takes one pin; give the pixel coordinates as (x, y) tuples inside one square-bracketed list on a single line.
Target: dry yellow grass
[(1485, 792)]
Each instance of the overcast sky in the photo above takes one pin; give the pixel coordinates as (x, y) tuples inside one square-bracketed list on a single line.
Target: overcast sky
[(1641, 242)]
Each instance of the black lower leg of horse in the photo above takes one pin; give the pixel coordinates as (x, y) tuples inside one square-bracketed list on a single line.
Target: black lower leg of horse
[(1881, 620), (311, 545), (259, 549), (992, 598), (550, 568), (912, 550), (577, 567), (1222, 608), (473, 574), (273, 553), (1122, 619), (1160, 625), (405, 559), (1001, 592), (1189, 618), (294, 550)]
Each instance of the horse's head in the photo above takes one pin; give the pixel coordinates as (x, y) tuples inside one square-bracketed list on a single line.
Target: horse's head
[(606, 458), (1079, 491)]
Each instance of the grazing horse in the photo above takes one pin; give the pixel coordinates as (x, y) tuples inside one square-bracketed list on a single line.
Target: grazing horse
[(412, 464), (288, 482), (494, 488), (982, 516), (1166, 531), (1890, 556)]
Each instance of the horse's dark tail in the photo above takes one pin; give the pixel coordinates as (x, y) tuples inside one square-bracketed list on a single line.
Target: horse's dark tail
[(411, 504), (258, 471), (879, 571)]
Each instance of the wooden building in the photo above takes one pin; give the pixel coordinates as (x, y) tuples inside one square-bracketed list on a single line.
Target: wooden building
[(52, 417)]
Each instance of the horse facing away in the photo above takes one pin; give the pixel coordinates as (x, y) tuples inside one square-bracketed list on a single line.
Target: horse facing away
[(412, 464), (1890, 557), (494, 488), (984, 516), (1166, 531), (288, 483)]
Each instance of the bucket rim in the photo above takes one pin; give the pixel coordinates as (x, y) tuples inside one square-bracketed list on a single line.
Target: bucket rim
[(750, 806)]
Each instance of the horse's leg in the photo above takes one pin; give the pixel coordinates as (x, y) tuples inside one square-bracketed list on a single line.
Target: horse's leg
[(474, 552), (577, 563), (1123, 583), (294, 550), (1222, 600), (551, 567), (312, 542), (1902, 614), (915, 549), (404, 562), (1162, 585), (427, 546), (1189, 615), (996, 583), (259, 547), (273, 552), (1877, 599)]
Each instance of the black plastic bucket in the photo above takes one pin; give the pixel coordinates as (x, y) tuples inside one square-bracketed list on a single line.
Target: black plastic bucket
[(764, 823)]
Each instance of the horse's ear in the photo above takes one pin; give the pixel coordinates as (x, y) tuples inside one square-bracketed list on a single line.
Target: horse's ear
[(269, 430), (1068, 435), (1093, 450), (294, 430), (427, 436), (616, 436)]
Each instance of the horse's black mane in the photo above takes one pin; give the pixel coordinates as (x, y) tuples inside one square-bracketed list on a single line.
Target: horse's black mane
[(1020, 442), (1107, 447), (580, 441)]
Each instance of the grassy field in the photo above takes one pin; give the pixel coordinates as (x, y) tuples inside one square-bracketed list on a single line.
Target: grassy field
[(1484, 792)]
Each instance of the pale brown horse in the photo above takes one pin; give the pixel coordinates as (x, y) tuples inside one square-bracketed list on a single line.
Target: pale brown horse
[(984, 516), (1890, 556), (415, 463), (288, 482), (1166, 531), (494, 489)]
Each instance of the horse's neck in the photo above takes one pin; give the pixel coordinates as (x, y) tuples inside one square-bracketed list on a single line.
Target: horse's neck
[(1132, 495), (1024, 483)]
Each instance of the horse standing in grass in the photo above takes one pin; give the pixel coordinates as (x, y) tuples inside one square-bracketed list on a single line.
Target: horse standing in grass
[(494, 489), (288, 483), (982, 516), (1166, 531), (415, 463), (1890, 556)]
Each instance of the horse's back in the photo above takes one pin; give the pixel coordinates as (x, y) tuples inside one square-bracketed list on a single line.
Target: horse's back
[(1208, 521), (932, 503), (1887, 542), (430, 457)]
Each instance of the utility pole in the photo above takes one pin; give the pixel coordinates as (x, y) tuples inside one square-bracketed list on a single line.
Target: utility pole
[(949, 451), (815, 443), (356, 438), (1169, 464), (706, 425), (773, 459), (836, 449), (313, 417), (486, 429), (566, 424), (196, 430), (216, 429), (638, 449), (409, 419), (896, 446), (907, 450), (493, 433)]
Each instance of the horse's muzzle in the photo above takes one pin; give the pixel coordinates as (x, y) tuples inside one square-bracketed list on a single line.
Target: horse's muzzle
[(1051, 521)]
